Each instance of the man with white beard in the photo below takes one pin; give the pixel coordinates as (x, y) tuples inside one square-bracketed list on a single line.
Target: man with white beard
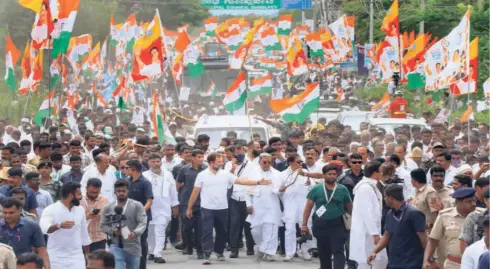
[(294, 189), (164, 206), (264, 209), (366, 219)]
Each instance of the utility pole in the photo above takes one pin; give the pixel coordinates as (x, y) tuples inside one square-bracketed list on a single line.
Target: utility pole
[(371, 21), (422, 7)]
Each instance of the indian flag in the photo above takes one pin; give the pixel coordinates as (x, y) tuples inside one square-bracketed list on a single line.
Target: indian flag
[(314, 41), (260, 85), (237, 94), (192, 61), (11, 58), (46, 109), (64, 26), (284, 25), (211, 92), (113, 36), (55, 72), (269, 39), (159, 127), (299, 107), (210, 24)]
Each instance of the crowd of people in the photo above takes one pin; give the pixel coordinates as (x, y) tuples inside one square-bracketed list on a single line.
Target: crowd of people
[(113, 196)]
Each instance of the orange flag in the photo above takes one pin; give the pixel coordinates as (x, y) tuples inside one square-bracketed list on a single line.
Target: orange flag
[(468, 114), (391, 23)]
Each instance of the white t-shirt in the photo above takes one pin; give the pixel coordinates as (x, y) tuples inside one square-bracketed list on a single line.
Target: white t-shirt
[(214, 188)]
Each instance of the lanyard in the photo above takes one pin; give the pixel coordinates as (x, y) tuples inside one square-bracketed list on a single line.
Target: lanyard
[(241, 169), (403, 208), (326, 194), (155, 180)]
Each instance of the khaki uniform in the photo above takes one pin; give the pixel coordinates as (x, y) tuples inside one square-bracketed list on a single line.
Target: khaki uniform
[(424, 200), (447, 202), (7, 257), (447, 229)]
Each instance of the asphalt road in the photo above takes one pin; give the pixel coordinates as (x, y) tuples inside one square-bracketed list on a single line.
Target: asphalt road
[(175, 260)]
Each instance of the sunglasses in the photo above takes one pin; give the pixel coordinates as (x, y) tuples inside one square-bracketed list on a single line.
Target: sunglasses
[(266, 162), (356, 162), (124, 167), (299, 162)]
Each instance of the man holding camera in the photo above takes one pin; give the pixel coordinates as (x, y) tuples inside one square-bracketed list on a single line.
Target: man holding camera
[(94, 202), (124, 221)]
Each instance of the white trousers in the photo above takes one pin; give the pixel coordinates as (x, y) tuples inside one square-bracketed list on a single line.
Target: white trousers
[(377, 264), (156, 239), (265, 236), (290, 238)]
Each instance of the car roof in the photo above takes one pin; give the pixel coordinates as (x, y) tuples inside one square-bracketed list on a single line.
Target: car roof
[(395, 121)]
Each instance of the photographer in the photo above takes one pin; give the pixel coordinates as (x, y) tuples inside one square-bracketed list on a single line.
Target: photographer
[(93, 202), (124, 221)]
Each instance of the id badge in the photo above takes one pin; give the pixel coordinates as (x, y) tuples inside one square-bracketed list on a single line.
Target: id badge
[(320, 211)]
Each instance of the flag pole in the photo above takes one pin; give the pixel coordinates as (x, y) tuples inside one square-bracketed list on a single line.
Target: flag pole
[(246, 106), (60, 86), (49, 81), (27, 103), (468, 72)]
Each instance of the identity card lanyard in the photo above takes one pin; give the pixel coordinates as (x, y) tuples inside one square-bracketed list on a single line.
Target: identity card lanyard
[(326, 195)]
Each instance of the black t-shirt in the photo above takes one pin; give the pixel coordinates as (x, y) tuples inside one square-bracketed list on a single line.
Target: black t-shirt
[(188, 176), (141, 190)]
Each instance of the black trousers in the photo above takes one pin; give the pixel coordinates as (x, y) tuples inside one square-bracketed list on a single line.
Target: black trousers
[(144, 247), (330, 241), (238, 213), (217, 220), (97, 245), (192, 231), (174, 229)]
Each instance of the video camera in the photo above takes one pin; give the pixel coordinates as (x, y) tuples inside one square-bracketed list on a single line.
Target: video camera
[(116, 220)]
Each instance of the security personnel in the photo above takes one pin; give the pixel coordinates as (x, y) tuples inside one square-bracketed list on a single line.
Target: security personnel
[(472, 229), (426, 198), (7, 257), (447, 228), (398, 107)]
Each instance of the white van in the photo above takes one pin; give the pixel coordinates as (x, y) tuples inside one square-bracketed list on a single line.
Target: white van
[(216, 128)]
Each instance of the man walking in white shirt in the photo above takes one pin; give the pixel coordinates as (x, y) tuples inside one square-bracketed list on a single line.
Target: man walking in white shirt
[(164, 206), (264, 208), (366, 219), (64, 222), (212, 184), (472, 253), (101, 172)]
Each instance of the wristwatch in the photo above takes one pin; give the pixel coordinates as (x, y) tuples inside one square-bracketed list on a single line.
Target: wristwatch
[(432, 259)]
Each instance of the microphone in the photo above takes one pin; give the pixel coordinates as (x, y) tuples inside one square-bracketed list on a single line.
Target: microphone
[(118, 210)]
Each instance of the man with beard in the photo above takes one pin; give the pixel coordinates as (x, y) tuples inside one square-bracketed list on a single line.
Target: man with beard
[(65, 224), (132, 227)]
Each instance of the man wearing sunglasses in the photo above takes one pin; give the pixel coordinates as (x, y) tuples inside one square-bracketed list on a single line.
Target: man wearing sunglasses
[(355, 174)]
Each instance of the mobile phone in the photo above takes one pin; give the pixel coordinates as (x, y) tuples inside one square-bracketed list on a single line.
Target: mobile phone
[(95, 211)]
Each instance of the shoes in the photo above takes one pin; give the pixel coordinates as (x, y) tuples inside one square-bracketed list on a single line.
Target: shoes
[(179, 246), (288, 258), (240, 245), (228, 248), (200, 256), (269, 258), (306, 255), (351, 266), (206, 261), (159, 260), (234, 254), (260, 255), (221, 257), (151, 257), (250, 252), (187, 252), (314, 252)]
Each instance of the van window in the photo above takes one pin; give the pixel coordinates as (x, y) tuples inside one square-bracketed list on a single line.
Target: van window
[(216, 134)]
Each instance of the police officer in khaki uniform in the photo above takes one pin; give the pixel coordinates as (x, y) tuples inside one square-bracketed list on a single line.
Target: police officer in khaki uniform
[(426, 198), (7, 257), (447, 228)]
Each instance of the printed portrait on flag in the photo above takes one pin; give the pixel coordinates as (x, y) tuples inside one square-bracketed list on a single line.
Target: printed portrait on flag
[(486, 88), (42, 27), (299, 65), (149, 60), (239, 56), (369, 55), (341, 40), (389, 63)]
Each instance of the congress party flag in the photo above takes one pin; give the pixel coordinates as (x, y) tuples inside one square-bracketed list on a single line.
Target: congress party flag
[(160, 129), (43, 26), (12, 55), (284, 25), (299, 107), (261, 85), (46, 110), (210, 25), (63, 27), (237, 94), (468, 84), (391, 24)]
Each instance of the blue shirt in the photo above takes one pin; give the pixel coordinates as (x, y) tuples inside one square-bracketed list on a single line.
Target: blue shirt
[(23, 237), (405, 248), (31, 201), (141, 190), (484, 262)]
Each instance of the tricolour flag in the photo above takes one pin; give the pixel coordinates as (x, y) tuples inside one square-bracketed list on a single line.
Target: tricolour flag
[(192, 60), (284, 25), (210, 25), (46, 109), (113, 36), (261, 85), (43, 27), (237, 94), (299, 107), (314, 42), (11, 58), (468, 114), (92, 65), (63, 28), (269, 38), (159, 127), (55, 72), (211, 92), (148, 54), (34, 5)]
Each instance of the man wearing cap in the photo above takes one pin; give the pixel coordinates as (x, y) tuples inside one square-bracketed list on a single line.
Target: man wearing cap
[(14, 180), (437, 148), (472, 229), (398, 106), (447, 228)]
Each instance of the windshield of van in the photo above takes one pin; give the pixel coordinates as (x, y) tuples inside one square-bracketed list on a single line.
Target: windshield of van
[(217, 133)]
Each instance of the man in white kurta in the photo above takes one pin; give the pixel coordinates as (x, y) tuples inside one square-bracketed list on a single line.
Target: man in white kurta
[(264, 208), (294, 189), (366, 220), (165, 202), (66, 221)]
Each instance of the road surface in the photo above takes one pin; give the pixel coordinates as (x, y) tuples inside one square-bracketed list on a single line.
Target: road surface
[(175, 260)]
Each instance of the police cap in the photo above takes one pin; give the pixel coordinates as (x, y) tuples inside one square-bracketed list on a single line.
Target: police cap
[(463, 193)]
